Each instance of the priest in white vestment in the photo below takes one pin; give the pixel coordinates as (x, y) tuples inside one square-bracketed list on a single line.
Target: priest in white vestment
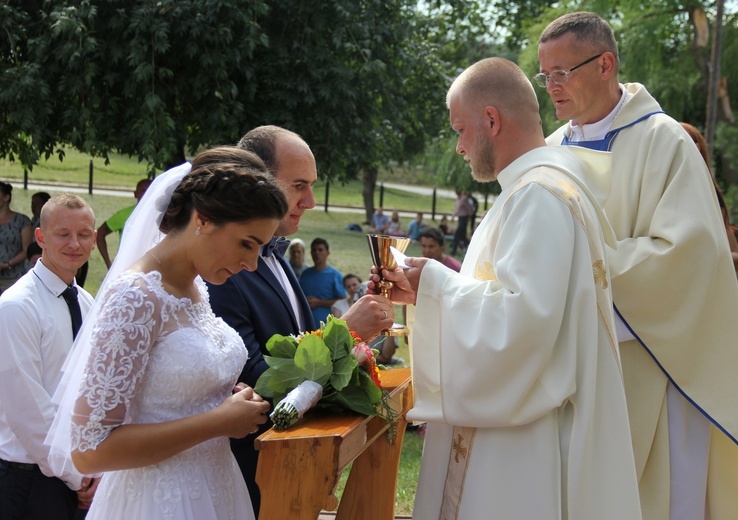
[(515, 361), (673, 281)]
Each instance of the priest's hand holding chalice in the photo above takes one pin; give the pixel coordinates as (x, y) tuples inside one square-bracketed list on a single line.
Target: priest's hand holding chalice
[(380, 247)]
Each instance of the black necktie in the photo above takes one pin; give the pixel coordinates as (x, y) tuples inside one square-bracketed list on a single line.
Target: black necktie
[(276, 246), (70, 296)]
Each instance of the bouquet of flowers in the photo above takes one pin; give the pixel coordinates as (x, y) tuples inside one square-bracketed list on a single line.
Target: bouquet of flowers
[(330, 367)]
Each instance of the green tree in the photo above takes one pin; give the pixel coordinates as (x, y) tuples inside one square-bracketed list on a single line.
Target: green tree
[(149, 79), (666, 46)]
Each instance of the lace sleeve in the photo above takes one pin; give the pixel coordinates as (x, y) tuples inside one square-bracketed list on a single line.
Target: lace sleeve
[(127, 327)]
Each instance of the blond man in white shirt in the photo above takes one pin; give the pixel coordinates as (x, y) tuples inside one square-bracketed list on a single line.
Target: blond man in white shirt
[(37, 337)]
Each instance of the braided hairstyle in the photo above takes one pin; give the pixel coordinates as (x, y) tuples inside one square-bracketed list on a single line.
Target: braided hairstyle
[(226, 184)]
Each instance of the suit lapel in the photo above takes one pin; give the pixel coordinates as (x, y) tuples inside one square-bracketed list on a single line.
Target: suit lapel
[(268, 276)]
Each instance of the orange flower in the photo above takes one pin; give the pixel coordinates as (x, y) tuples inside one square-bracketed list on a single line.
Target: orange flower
[(375, 377)]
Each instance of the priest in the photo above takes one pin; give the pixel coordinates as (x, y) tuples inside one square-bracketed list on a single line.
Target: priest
[(515, 361)]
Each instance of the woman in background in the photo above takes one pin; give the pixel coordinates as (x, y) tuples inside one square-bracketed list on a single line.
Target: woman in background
[(15, 235), (699, 140)]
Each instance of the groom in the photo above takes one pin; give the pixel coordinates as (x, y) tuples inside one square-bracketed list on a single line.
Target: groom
[(269, 300)]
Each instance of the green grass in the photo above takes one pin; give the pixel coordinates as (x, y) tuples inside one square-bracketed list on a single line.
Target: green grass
[(75, 168), (124, 171), (349, 194)]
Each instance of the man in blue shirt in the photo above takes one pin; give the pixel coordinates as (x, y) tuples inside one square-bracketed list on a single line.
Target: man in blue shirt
[(322, 284)]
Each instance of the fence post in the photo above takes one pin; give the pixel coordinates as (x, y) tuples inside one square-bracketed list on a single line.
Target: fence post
[(381, 195), (89, 189), (433, 205), (327, 191)]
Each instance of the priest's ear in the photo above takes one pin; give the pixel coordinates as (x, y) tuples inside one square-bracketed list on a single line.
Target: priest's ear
[(492, 119)]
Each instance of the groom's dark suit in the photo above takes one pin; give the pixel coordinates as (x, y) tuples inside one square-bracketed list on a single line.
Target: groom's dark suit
[(255, 304)]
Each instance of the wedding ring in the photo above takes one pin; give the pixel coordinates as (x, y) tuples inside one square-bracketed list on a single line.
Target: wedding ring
[(254, 430), (385, 314)]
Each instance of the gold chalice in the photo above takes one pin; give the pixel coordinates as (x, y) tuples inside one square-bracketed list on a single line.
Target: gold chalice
[(379, 247)]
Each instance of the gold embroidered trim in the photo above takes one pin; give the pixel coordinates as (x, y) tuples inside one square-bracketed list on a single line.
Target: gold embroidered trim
[(458, 464), (600, 274)]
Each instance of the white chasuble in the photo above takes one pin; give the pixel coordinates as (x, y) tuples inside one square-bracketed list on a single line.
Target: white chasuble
[(674, 284), (515, 362)]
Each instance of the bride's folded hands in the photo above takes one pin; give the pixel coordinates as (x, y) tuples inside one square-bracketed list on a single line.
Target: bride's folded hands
[(242, 412)]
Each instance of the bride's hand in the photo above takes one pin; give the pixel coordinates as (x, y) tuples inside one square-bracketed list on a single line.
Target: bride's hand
[(242, 412), (250, 394)]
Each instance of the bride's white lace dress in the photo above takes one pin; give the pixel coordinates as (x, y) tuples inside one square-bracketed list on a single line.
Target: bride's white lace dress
[(156, 358)]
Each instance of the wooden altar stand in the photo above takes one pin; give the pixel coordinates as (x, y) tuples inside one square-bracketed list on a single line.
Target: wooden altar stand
[(299, 468)]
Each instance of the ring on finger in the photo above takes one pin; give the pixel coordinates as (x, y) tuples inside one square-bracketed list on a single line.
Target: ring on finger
[(385, 314)]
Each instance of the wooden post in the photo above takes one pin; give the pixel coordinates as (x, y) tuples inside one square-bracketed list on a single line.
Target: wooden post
[(89, 189), (299, 468), (327, 192)]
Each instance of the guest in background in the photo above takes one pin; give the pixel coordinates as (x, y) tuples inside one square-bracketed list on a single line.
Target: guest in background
[(322, 283), (38, 200), (463, 212), (379, 222), (39, 318), (296, 255), (351, 283), (416, 227), (432, 245), (394, 226), (15, 235), (33, 253), (118, 221), (443, 226), (699, 140)]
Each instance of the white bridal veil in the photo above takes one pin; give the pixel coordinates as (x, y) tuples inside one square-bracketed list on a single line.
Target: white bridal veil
[(141, 234)]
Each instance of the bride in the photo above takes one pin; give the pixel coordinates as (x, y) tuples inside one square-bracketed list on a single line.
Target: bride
[(148, 396)]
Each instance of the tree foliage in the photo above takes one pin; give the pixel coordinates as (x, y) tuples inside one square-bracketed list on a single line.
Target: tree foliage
[(361, 80)]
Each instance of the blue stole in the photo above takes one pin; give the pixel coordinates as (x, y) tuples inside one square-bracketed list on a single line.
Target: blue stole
[(605, 144)]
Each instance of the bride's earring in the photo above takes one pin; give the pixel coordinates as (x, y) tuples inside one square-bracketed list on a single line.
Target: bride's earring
[(197, 231)]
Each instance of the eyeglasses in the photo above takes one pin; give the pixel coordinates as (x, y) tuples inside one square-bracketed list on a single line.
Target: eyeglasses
[(560, 77)]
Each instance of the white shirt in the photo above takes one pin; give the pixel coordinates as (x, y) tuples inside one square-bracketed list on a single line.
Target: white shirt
[(281, 276), (598, 130), (36, 339)]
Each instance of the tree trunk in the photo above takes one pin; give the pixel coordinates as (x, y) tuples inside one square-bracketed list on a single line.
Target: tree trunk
[(369, 178)]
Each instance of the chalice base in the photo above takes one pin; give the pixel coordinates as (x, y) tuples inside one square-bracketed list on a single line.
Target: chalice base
[(398, 329)]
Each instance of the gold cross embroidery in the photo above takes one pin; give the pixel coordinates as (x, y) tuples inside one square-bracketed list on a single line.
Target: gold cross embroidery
[(569, 190), (600, 274), (460, 450), (485, 272)]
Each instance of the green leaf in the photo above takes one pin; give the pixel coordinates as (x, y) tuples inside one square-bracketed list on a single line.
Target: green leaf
[(262, 384), (354, 398), (278, 363), (367, 385), (283, 374), (343, 369), (337, 338), (314, 359), (282, 346)]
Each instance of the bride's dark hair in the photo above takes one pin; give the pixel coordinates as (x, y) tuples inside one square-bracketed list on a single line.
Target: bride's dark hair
[(226, 184)]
